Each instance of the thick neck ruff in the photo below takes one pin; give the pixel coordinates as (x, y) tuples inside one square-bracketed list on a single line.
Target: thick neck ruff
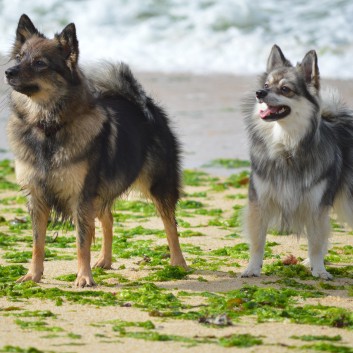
[(49, 129)]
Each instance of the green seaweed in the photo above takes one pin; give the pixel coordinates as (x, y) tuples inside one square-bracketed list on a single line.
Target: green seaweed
[(210, 263), (241, 251), (60, 225), (121, 325), (146, 208), (197, 194), (195, 177), (191, 233), (16, 349), (26, 290), (11, 273), (6, 167), (7, 185), (156, 336), (38, 325), (344, 271), (7, 241), (271, 304), (19, 224), (289, 271), (168, 273), (237, 197), (74, 336), (329, 286), (191, 249), (25, 256), (286, 302), (150, 297), (13, 200), (240, 340), (190, 204), (61, 241), (327, 347), (320, 315), (125, 248), (238, 251), (228, 163), (139, 230), (35, 313), (290, 282), (340, 254), (239, 180), (318, 338)]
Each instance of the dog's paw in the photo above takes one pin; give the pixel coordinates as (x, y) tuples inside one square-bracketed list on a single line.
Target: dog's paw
[(323, 274), (103, 263), (84, 281), (306, 263), (251, 272), (35, 277), (179, 262)]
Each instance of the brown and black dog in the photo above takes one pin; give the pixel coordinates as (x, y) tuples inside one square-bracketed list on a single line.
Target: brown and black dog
[(81, 141)]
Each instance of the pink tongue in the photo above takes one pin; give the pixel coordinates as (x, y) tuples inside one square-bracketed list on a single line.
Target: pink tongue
[(268, 111)]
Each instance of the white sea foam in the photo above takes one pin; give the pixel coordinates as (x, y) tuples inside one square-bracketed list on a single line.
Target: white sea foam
[(199, 36)]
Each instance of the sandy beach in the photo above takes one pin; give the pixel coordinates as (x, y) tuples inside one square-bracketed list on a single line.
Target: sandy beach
[(206, 114), (141, 306)]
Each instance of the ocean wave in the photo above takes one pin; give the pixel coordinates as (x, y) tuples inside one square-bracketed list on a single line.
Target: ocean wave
[(200, 36)]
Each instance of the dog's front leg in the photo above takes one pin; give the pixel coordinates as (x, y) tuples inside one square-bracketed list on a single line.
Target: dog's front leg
[(318, 229), (255, 229), (84, 220), (105, 257), (39, 212)]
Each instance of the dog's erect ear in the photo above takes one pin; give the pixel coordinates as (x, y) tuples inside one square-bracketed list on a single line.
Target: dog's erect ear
[(276, 59), (310, 69), (25, 30), (69, 44)]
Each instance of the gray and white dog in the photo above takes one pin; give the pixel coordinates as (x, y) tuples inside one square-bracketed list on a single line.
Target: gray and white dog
[(301, 148)]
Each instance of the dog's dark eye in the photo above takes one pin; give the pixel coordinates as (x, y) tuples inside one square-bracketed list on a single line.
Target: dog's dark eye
[(18, 58), (40, 63), (285, 89), (266, 86)]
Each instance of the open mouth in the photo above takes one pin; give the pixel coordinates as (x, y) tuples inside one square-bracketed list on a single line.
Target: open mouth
[(273, 113)]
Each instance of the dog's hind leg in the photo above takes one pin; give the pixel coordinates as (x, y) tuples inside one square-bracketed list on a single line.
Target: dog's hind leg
[(170, 226), (105, 257), (84, 220), (165, 194), (39, 214), (318, 231), (255, 229)]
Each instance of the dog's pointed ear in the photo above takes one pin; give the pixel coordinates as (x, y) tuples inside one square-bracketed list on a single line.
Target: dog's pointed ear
[(310, 69), (276, 59), (69, 44), (25, 30)]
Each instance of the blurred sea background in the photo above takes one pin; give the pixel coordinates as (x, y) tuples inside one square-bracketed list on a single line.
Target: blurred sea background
[(199, 36), (196, 56)]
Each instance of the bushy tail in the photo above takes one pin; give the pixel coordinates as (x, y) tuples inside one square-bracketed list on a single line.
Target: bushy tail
[(117, 79)]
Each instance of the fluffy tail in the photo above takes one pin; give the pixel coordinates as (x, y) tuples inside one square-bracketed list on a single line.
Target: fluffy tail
[(112, 79)]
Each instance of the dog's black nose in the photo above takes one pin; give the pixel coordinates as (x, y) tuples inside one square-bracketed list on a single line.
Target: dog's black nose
[(12, 72), (261, 93)]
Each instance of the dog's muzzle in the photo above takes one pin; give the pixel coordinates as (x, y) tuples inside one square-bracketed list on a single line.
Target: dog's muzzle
[(261, 93), (12, 72)]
